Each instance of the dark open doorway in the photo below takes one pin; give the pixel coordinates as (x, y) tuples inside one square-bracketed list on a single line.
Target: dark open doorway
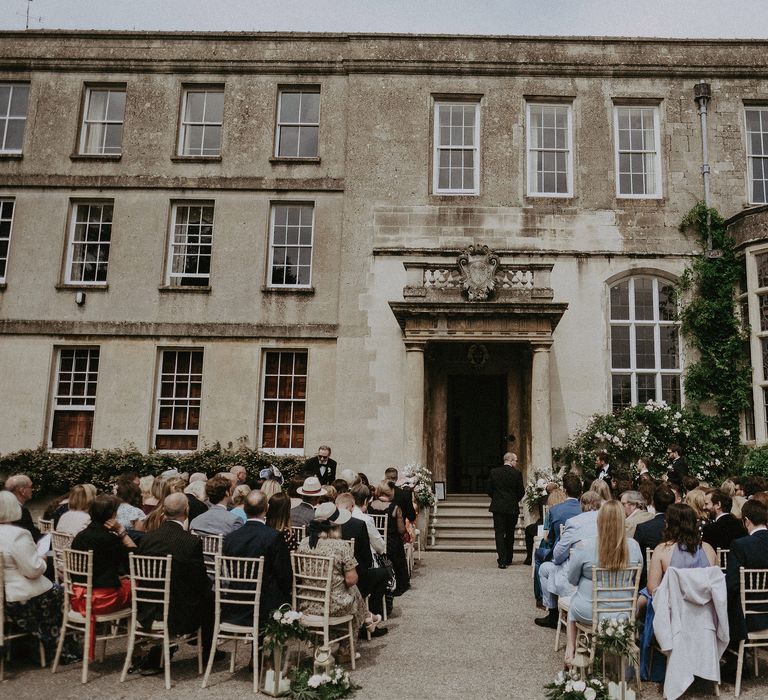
[(477, 438)]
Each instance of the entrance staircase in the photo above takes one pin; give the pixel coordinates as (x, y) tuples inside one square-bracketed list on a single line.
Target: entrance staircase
[(464, 525)]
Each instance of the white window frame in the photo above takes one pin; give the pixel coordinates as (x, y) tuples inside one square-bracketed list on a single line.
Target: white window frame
[(263, 400), (632, 322), (302, 90), (757, 335), (5, 117), (183, 124), (71, 242), (170, 275), (272, 245), (657, 194), (3, 201), (763, 109), (530, 150), (105, 122), (189, 402), (55, 396), (437, 148)]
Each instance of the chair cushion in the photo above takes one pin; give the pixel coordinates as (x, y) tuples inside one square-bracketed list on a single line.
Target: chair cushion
[(317, 620)]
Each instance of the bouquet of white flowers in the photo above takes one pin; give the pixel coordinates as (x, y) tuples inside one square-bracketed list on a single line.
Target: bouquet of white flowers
[(536, 488), (568, 686), (420, 478), (617, 637), (283, 624), (336, 683)]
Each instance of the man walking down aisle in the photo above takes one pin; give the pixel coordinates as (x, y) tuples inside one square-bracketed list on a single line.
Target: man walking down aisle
[(505, 487)]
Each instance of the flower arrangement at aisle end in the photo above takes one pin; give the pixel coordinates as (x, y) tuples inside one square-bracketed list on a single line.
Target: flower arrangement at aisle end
[(330, 685), (536, 488), (282, 626), (617, 638), (420, 478), (568, 686)]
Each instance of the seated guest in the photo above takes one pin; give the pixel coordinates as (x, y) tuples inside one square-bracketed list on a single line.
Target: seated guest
[(565, 510), (32, 602), (384, 503), (76, 518), (256, 539), (753, 484), (294, 485), (361, 494), (680, 547), (279, 517), (310, 492), (20, 485), (403, 494), (553, 575), (634, 510), (750, 552), (544, 550), (350, 477), (722, 527), (238, 499), (532, 528), (324, 539), (341, 486), (196, 497), (155, 496), (648, 534), (56, 508), (191, 606), (129, 513), (270, 487), (696, 500), (611, 549), (217, 520), (371, 582), (601, 488), (647, 489), (148, 501), (238, 471), (110, 544)]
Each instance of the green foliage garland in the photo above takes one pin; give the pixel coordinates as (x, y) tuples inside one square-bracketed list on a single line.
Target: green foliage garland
[(722, 376), (57, 472)]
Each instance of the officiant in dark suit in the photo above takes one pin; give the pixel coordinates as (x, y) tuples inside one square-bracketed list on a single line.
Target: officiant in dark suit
[(321, 466), (506, 489)]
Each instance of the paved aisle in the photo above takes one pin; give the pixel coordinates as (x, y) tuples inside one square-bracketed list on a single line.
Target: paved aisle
[(464, 630)]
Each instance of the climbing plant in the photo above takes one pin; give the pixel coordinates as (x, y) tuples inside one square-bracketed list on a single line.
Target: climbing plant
[(721, 376)]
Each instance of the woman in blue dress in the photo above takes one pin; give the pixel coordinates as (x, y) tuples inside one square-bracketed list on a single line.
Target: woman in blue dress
[(611, 549)]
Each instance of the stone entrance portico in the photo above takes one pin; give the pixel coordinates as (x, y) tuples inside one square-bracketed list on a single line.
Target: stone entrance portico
[(482, 316)]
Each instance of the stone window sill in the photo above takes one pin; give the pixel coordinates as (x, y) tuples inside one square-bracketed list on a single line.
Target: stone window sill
[(288, 290), (11, 156), (3, 286), (284, 159), (73, 287), (185, 289), (196, 159), (106, 157)]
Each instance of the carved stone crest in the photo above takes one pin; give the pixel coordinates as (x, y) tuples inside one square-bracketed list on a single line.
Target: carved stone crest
[(478, 266)]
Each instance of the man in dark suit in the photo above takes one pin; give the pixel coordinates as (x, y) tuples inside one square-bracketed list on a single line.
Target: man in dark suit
[(751, 552), (603, 469), (191, 604), (649, 534), (370, 581), (321, 466), (403, 494), (723, 528), (505, 487), (678, 467), (256, 539)]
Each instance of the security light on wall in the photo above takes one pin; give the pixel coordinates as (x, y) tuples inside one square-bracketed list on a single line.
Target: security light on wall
[(79, 298)]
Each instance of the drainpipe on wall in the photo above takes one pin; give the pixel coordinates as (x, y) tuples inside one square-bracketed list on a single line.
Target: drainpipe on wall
[(702, 93)]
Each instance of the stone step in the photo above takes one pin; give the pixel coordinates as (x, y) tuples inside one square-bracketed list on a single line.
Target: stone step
[(469, 521), (453, 547)]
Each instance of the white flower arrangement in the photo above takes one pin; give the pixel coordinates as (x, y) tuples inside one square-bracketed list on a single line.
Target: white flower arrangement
[(420, 478), (334, 683), (569, 686), (536, 488)]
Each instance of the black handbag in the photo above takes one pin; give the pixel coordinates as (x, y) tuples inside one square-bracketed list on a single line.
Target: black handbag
[(384, 562)]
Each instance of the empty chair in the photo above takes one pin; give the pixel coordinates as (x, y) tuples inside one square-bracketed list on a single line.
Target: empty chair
[(78, 571), (151, 583), (237, 585)]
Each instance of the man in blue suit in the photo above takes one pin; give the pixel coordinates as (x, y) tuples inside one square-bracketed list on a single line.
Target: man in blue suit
[(751, 552), (255, 539), (557, 517)]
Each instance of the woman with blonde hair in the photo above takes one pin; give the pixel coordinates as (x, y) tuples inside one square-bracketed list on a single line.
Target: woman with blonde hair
[(601, 488), (695, 499), (611, 549), (270, 487), (148, 504), (237, 500), (76, 518)]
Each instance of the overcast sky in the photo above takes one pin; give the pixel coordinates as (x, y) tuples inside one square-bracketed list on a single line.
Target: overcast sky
[(665, 18)]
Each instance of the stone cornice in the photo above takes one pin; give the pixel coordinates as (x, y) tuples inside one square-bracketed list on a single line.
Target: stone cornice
[(143, 330), (538, 253), (214, 182)]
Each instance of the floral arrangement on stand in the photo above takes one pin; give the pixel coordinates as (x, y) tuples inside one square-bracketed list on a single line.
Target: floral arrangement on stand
[(333, 684), (420, 478), (568, 686), (617, 638), (282, 626), (536, 488)]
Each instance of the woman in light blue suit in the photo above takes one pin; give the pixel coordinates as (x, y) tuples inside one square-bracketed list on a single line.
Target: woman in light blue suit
[(611, 549)]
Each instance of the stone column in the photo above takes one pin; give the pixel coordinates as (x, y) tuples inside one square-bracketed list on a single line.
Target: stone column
[(414, 402), (541, 432)]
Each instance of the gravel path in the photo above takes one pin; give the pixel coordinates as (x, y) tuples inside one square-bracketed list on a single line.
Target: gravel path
[(464, 630)]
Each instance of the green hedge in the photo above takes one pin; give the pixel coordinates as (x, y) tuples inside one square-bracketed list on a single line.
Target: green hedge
[(56, 472)]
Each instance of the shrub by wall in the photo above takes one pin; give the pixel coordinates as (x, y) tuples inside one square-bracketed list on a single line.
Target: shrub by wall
[(56, 472)]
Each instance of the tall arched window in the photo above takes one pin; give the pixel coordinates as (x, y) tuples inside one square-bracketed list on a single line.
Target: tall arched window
[(645, 342)]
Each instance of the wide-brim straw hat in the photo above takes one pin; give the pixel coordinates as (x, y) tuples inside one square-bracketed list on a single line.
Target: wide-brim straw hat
[(329, 512), (311, 487)]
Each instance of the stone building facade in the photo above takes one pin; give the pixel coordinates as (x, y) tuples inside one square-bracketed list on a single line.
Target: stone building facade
[(413, 248)]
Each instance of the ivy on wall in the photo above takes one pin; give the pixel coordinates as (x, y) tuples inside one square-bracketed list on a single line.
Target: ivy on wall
[(722, 376)]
